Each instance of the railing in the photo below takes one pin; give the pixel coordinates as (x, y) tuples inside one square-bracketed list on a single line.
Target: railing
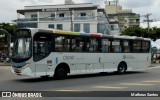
[(27, 19), (85, 18), (58, 18), (130, 17), (121, 22), (134, 23), (54, 18)]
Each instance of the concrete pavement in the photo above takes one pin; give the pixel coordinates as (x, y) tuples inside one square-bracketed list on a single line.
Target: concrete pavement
[(5, 64)]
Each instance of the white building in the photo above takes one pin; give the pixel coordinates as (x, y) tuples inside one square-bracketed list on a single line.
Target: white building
[(84, 17)]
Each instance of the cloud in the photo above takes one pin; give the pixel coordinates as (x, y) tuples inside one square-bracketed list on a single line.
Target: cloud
[(96, 2), (8, 8), (137, 3), (35, 2)]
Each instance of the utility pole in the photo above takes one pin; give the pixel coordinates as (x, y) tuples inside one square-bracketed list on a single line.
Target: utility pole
[(71, 14), (148, 20), (116, 1)]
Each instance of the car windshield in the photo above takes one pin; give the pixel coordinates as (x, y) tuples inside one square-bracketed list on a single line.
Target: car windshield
[(22, 48)]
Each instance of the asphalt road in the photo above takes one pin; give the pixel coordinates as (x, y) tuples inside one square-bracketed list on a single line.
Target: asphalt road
[(85, 85)]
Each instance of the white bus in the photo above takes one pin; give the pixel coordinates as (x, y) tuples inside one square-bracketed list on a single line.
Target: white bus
[(40, 52)]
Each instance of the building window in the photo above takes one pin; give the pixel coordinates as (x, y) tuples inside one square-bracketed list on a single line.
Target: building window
[(83, 14), (112, 27), (30, 25), (53, 15), (51, 26), (86, 28), (34, 16), (61, 15), (77, 27), (101, 28), (60, 26)]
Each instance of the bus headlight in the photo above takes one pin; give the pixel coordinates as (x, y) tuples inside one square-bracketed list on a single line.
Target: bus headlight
[(27, 65)]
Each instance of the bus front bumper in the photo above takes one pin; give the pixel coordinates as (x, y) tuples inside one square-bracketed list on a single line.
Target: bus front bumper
[(24, 72)]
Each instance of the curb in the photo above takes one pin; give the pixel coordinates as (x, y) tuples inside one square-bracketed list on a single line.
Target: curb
[(3, 64)]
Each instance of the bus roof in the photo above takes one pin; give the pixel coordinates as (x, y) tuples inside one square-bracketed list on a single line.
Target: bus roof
[(88, 34)]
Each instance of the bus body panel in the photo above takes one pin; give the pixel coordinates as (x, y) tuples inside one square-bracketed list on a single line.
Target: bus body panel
[(84, 62), (80, 64)]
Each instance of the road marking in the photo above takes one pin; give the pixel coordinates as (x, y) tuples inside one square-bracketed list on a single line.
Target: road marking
[(71, 91), (152, 81), (109, 87), (137, 84)]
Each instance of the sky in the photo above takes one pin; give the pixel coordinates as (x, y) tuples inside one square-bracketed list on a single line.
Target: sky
[(8, 8)]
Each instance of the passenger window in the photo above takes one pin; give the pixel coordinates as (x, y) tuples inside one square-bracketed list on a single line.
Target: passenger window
[(105, 45), (62, 43), (136, 46), (116, 47), (93, 45), (78, 44), (145, 46), (126, 46)]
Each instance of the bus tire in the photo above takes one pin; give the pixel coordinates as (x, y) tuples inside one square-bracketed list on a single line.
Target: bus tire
[(122, 67), (60, 73)]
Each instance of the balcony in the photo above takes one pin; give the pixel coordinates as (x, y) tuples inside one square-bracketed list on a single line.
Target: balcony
[(82, 18), (85, 18), (134, 23), (55, 19), (27, 19)]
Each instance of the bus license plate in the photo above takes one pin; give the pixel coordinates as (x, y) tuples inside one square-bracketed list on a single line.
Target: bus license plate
[(17, 70)]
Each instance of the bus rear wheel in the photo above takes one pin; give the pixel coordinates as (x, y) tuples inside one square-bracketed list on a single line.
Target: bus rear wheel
[(122, 67), (60, 73)]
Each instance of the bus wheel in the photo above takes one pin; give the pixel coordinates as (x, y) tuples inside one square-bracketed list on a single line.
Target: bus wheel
[(60, 73), (122, 67)]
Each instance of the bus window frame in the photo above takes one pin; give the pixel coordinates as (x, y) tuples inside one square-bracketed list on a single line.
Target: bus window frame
[(149, 46), (54, 43), (50, 51)]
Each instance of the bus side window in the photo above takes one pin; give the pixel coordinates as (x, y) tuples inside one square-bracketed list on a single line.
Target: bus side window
[(110, 49), (116, 47), (145, 46), (126, 46), (94, 45), (105, 45), (62, 43), (78, 44), (136, 46), (73, 44)]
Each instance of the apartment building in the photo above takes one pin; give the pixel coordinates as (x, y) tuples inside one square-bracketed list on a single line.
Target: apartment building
[(125, 17)]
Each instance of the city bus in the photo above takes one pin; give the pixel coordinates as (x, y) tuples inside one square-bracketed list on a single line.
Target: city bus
[(47, 52)]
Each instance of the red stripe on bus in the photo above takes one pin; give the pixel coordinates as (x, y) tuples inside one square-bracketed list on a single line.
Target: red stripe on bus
[(96, 35)]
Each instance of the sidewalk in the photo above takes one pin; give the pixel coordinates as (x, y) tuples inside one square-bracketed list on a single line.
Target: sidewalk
[(154, 64), (5, 64)]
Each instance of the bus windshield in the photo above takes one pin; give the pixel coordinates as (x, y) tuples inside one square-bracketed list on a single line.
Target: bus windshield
[(22, 48)]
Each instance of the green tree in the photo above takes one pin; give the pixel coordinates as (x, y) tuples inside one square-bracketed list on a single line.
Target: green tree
[(153, 33), (8, 27)]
